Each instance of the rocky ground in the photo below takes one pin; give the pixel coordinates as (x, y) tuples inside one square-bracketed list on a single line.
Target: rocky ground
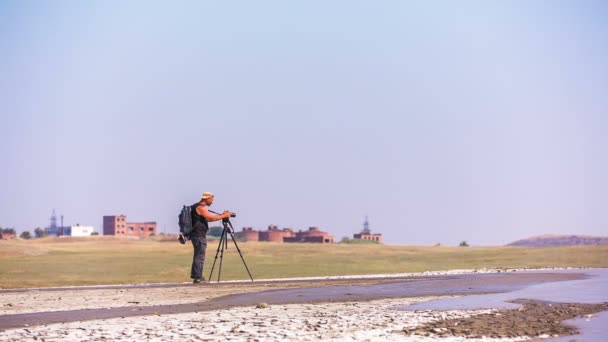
[(368, 321)]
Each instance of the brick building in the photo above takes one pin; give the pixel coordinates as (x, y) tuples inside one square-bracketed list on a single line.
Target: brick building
[(118, 225), (8, 233), (249, 234), (366, 234), (313, 234), (274, 234)]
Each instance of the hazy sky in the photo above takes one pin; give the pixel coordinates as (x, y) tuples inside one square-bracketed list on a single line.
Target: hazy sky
[(443, 121)]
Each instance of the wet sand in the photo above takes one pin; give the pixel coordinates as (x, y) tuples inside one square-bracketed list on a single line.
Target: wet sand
[(366, 309)]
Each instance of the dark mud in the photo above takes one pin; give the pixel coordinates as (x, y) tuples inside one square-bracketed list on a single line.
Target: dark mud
[(464, 284), (533, 319)]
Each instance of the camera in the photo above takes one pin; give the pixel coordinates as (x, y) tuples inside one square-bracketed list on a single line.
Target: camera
[(231, 213)]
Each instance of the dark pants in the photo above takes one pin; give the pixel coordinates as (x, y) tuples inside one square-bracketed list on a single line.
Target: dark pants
[(200, 245)]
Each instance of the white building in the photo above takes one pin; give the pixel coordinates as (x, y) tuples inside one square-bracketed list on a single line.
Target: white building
[(79, 230)]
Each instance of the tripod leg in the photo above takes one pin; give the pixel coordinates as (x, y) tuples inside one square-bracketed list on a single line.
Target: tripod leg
[(216, 253), (225, 237), (241, 254)]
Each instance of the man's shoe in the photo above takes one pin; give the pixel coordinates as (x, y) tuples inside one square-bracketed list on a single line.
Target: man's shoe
[(199, 280)]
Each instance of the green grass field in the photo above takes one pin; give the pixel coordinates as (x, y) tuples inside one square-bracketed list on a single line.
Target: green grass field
[(104, 260)]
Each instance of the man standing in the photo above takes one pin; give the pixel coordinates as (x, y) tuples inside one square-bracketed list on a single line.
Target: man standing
[(198, 235)]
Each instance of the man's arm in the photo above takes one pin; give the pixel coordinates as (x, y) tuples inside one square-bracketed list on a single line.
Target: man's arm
[(202, 210)]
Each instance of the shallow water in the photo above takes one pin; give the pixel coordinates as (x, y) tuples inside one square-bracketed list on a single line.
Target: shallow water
[(592, 329), (591, 290), (465, 284)]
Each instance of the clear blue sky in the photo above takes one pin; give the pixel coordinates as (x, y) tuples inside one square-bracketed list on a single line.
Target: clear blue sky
[(443, 121)]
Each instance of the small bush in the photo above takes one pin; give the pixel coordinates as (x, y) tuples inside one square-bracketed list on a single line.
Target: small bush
[(215, 231)]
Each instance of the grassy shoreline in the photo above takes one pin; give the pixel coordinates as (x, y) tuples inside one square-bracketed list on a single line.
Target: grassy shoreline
[(106, 260)]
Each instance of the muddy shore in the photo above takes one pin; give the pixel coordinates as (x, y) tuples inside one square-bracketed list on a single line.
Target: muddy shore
[(534, 319), (362, 309)]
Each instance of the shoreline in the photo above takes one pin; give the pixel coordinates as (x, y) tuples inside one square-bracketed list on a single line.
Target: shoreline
[(237, 310), (296, 279), (19, 301), (376, 320)]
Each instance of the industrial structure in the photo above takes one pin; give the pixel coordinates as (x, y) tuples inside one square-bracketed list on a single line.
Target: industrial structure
[(366, 233), (274, 234), (118, 225), (57, 230), (60, 230)]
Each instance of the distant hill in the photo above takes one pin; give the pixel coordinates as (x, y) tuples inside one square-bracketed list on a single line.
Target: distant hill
[(561, 240)]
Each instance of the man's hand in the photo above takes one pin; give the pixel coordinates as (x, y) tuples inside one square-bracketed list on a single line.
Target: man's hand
[(226, 214)]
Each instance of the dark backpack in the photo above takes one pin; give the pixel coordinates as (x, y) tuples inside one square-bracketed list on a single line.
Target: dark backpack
[(185, 223)]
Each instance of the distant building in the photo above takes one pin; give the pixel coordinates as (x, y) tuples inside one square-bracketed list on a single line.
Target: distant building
[(114, 225), (313, 234), (79, 230), (118, 225), (249, 234), (366, 233), (8, 233), (274, 234), (57, 230)]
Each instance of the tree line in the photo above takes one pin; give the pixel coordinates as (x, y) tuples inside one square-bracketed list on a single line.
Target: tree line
[(38, 233)]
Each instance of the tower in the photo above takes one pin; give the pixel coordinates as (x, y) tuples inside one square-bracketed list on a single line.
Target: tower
[(53, 220), (365, 226), (53, 228), (62, 229)]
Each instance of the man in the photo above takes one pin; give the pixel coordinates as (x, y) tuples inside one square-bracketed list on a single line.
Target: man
[(198, 235)]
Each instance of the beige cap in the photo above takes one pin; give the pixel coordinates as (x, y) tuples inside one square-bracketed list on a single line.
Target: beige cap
[(206, 195)]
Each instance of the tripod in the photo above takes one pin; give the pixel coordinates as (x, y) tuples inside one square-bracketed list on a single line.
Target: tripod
[(228, 229)]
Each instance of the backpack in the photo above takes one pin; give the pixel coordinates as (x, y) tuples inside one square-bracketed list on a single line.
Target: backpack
[(185, 223)]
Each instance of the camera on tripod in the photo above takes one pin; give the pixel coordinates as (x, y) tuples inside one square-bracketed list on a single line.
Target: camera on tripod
[(227, 219), (227, 232), (231, 213)]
